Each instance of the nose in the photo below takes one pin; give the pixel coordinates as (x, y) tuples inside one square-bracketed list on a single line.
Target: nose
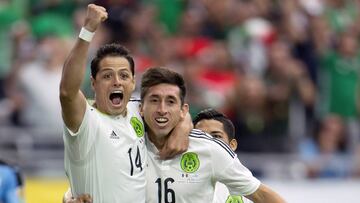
[(162, 110), (117, 81)]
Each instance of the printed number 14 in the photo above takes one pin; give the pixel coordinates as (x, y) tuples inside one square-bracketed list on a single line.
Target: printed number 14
[(137, 161)]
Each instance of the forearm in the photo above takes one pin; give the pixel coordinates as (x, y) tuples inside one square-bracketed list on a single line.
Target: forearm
[(265, 195), (75, 64), (74, 69)]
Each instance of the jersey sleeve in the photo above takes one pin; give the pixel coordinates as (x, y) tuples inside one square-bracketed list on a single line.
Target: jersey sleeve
[(78, 144), (228, 170), (134, 105)]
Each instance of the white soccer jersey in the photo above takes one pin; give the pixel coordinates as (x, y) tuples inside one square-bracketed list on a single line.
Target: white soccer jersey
[(222, 195), (191, 176), (106, 157)]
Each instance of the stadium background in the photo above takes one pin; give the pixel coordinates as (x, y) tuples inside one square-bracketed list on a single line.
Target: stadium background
[(285, 71)]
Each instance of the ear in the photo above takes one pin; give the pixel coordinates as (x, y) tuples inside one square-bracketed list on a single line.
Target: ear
[(92, 83), (233, 144), (133, 84), (141, 110), (184, 110)]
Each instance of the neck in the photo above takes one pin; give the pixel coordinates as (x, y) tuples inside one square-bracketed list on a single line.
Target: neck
[(159, 142)]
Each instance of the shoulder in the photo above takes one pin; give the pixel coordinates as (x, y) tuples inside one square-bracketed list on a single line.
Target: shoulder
[(134, 100), (134, 104), (199, 137), (90, 110)]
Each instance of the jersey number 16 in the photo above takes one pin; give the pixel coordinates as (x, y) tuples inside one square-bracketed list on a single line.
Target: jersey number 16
[(169, 194)]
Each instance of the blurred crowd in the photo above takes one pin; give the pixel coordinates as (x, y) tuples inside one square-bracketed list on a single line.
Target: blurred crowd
[(285, 71)]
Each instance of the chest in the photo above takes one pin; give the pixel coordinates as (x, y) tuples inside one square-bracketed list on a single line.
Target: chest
[(187, 178), (123, 145)]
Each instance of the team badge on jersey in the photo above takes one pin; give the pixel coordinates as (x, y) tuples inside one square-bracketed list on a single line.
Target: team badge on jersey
[(190, 162), (234, 199), (138, 126)]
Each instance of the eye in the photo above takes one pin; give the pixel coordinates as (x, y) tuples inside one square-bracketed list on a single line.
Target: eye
[(216, 136), (153, 100), (171, 101), (124, 75), (107, 76)]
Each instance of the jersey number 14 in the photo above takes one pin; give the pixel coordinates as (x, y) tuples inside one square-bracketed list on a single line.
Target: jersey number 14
[(136, 162)]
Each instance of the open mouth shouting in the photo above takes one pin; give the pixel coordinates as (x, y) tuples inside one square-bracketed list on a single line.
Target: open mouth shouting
[(116, 97)]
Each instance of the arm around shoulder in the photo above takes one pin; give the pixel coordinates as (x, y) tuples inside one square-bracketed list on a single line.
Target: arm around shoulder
[(178, 141)]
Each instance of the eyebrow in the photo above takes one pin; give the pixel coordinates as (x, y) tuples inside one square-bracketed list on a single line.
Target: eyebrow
[(110, 69), (105, 69), (154, 95), (217, 131), (167, 97), (171, 97)]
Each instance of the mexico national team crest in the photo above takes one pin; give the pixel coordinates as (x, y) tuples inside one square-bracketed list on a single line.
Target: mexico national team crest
[(190, 162), (138, 126), (234, 199)]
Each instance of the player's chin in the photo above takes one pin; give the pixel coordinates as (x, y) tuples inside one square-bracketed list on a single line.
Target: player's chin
[(163, 132), (116, 109)]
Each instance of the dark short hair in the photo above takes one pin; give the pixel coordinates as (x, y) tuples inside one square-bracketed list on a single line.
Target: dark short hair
[(111, 50), (158, 75), (212, 114)]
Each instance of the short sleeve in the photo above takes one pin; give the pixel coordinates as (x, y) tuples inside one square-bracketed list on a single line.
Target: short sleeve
[(78, 144), (229, 171)]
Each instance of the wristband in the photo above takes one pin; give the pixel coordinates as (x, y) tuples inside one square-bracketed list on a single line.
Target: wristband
[(86, 34)]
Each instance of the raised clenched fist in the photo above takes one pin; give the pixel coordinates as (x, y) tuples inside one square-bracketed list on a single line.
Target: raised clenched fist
[(94, 16)]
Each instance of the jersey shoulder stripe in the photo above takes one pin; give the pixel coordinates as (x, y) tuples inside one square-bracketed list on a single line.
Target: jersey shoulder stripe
[(200, 132), (195, 133), (134, 99)]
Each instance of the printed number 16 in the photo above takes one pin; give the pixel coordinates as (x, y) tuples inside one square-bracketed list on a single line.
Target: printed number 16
[(169, 194)]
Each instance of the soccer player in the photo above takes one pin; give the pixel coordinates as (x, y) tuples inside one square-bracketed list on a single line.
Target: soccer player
[(219, 126), (10, 184), (190, 177), (104, 141)]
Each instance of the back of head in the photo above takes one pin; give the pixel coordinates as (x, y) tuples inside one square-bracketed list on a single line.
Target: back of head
[(111, 50), (159, 75), (212, 114)]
